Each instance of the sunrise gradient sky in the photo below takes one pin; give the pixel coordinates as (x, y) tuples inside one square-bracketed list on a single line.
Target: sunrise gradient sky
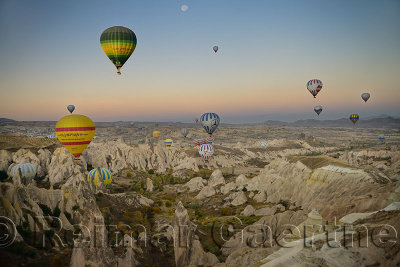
[(51, 57)]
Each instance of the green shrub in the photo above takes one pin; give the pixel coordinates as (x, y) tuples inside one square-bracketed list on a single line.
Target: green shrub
[(129, 174), (226, 211), (168, 204), (198, 214), (156, 210), (150, 171), (244, 189), (76, 207)]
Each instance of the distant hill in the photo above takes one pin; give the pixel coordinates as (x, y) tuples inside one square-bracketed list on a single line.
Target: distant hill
[(387, 122), (7, 120)]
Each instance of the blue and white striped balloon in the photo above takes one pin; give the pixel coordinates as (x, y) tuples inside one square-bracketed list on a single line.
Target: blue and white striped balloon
[(105, 175), (210, 122), (263, 143), (206, 151), (28, 171)]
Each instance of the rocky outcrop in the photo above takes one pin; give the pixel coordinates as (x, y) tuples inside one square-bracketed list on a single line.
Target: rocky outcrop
[(207, 191), (248, 211), (5, 159), (216, 178), (62, 166), (195, 184), (149, 185), (187, 248)]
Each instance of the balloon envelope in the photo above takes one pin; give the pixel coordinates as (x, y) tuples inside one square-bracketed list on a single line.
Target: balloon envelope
[(365, 96), (215, 48), (185, 131), (168, 142), (318, 109), (118, 43), (354, 118), (156, 135), (28, 171), (201, 141), (75, 132), (105, 176), (314, 86), (71, 108), (263, 143), (210, 122), (206, 151)]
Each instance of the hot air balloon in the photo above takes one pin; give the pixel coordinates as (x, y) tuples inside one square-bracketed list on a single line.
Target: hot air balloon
[(206, 151), (314, 86), (354, 118), (28, 171), (201, 141), (365, 96), (51, 136), (185, 132), (381, 138), (106, 176), (156, 135), (168, 142), (318, 109), (71, 108), (215, 48), (263, 143), (118, 43), (210, 122), (75, 132)]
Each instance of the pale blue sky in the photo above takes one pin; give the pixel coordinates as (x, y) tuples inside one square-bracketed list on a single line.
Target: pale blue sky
[(51, 57)]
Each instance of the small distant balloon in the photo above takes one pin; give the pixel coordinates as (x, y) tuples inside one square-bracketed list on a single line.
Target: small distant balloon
[(71, 108), (365, 96), (215, 48), (184, 132), (184, 8), (354, 118), (318, 109), (314, 86)]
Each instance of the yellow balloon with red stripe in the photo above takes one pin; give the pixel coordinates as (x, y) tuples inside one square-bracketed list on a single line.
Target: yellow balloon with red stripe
[(75, 132)]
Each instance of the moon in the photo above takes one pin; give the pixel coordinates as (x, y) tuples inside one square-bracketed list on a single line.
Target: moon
[(184, 8)]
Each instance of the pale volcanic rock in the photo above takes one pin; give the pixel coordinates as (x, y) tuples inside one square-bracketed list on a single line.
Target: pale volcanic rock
[(260, 197), (62, 166), (267, 211), (149, 185), (241, 181), (196, 184), (207, 191), (225, 189), (248, 211), (216, 178), (5, 159)]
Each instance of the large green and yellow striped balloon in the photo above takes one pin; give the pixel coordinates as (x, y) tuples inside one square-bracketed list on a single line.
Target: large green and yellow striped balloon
[(118, 43)]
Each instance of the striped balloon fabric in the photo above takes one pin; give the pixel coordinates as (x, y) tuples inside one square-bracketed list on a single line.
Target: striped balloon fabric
[(206, 151), (156, 135), (118, 43), (314, 86), (201, 141), (210, 122), (28, 171), (354, 118), (75, 132), (168, 142), (105, 175)]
